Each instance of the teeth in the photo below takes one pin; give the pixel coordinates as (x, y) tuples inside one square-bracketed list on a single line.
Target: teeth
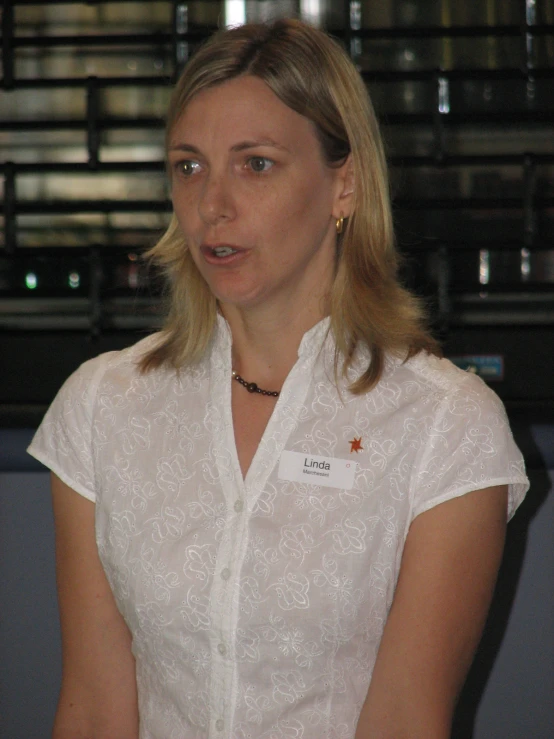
[(223, 251)]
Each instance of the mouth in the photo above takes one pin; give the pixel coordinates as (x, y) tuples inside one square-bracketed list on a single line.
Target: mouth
[(220, 251)]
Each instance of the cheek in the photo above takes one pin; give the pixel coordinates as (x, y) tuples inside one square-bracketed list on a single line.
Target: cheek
[(183, 207), (178, 199), (309, 211), (267, 210), (312, 196), (288, 206)]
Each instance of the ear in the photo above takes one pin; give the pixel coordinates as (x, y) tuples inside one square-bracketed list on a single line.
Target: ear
[(344, 198)]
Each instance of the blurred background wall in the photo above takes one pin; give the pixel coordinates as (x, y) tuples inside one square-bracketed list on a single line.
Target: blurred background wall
[(465, 95)]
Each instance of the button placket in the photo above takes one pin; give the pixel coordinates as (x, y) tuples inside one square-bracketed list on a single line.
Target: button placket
[(224, 681), (240, 495), (233, 547)]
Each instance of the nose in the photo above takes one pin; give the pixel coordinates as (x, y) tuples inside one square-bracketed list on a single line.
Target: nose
[(216, 199)]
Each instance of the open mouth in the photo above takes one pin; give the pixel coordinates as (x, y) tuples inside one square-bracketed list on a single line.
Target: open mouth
[(223, 251)]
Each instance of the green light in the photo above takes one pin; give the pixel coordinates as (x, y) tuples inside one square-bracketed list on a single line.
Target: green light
[(74, 280), (31, 280)]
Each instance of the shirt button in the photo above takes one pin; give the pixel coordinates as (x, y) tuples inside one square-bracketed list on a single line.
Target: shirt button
[(222, 649), (219, 725), (239, 506), (225, 573)]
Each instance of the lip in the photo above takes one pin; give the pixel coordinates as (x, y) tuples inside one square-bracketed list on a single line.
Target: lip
[(207, 252)]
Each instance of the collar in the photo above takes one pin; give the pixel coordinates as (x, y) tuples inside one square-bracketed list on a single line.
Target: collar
[(311, 342)]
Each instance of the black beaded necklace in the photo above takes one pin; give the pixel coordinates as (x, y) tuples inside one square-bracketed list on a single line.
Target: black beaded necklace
[(253, 388)]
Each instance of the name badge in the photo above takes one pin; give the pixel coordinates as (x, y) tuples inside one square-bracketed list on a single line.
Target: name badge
[(325, 471)]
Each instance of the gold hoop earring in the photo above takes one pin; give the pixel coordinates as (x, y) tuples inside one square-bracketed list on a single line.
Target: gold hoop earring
[(339, 224)]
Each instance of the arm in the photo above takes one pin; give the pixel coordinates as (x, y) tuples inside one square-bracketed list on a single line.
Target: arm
[(445, 586), (98, 695)]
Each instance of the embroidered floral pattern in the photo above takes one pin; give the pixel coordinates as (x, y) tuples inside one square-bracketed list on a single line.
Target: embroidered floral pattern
[(258, 605)]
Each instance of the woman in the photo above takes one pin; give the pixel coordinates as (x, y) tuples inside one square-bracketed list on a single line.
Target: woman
[(283, 515)]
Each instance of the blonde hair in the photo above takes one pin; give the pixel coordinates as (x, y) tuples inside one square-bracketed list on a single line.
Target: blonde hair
[(311, 74)]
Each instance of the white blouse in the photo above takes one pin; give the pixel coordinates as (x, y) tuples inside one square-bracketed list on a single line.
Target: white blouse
[(257, 605)]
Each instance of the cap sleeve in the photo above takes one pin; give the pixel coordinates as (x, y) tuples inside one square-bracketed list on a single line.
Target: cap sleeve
[(63, 440), (469, 446)]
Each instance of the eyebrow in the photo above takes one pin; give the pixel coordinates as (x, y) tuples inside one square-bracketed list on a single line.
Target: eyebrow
[(259, 142), (184, 147), (241, 146)]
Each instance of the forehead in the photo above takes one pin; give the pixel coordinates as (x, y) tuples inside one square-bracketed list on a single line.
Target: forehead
[(244, 107)]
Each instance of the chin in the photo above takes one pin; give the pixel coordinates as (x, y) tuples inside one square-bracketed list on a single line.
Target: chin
[(245, 302), (237, 295)]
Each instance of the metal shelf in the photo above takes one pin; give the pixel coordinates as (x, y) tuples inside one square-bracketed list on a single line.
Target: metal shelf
[(471, 153)]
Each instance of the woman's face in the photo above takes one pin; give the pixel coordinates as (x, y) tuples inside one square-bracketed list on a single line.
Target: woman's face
[(254, 198)]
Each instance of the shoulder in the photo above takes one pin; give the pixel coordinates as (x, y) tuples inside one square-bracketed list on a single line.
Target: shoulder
[(115, 369), (425, 386), (436, 377), (451, 404), (123, 363), (436, 372), (87, 403), (461, 430)]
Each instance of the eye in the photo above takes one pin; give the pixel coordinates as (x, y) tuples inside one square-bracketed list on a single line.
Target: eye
[(260, 164), (188, 167)]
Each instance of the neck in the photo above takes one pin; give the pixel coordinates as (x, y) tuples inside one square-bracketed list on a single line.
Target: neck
[(265, 344)]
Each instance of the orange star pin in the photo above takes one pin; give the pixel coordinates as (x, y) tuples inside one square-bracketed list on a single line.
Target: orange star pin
[(356, 445)]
